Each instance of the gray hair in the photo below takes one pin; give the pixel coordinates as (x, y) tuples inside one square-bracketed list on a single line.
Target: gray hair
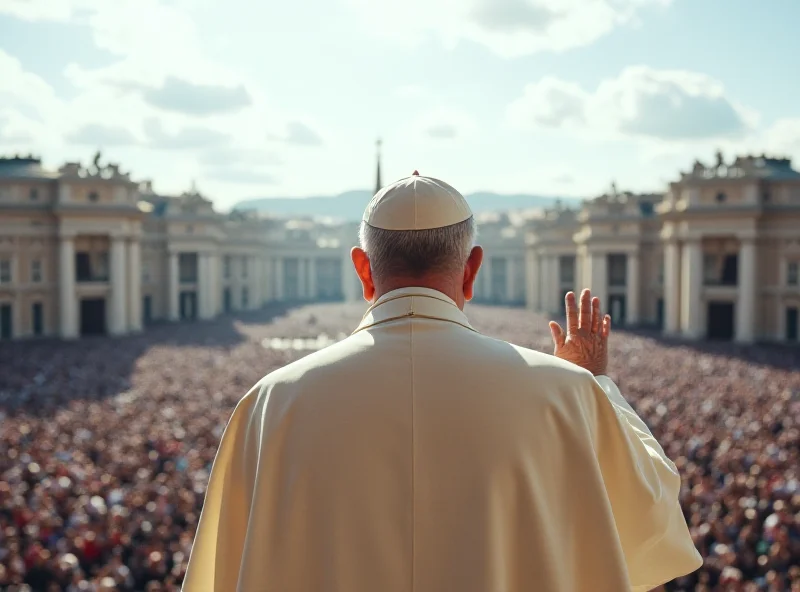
[(416, 253)]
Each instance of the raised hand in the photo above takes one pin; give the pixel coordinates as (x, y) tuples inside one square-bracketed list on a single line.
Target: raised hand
[(586, 341)]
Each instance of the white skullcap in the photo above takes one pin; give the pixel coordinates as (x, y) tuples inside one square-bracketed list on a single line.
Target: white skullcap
[(416, 203)]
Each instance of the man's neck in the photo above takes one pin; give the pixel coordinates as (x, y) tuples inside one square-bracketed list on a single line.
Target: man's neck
[(445, 286)]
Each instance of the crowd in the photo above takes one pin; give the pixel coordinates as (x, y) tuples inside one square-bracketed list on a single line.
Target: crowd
[(106, 444)]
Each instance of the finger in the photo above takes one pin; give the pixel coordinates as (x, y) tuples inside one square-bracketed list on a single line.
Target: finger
[(586, 310), (558, 334), (572, 312), (596, 317), (606, 326)]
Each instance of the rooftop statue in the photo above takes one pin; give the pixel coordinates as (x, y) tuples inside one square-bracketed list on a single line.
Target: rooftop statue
[(96, 163), (720, 159)]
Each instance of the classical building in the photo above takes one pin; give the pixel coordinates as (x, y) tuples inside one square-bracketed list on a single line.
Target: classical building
[(86, 250), (717, 256), (502, 276)]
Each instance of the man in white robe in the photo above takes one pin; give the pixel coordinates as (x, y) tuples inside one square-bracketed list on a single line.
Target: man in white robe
[(418, 455)]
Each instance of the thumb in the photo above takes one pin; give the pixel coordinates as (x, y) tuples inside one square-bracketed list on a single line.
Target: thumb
[(558, 333)]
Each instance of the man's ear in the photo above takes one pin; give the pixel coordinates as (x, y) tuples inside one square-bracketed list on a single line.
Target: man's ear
[(471, 271), (364, 271)]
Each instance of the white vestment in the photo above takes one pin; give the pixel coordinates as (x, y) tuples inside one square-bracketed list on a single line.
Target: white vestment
[(418, 455)]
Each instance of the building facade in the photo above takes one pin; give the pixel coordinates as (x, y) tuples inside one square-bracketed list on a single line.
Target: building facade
[(717, 256), (85, 250)]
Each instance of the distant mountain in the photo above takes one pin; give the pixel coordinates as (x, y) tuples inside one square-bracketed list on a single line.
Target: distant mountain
[(350, 204)]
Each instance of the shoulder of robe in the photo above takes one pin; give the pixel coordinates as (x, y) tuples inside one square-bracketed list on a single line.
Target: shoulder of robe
[(294, 371), (540, 362)]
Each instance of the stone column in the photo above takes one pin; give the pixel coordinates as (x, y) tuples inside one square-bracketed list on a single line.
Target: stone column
[(558, 296), (118, 320), (254, 281), (204, 306), (302, 284), (599, 279), (746, 298), (216, 284), (213, 285), (312, 278), (531, 280), (236, 283), (266, 280), (633, 289), (511, 279), (350, 290), (691, 287), (584, 269), (68, 309), (280, 274), (479, 288), (16, 318), (488, 292), (134, 286), (672, 284), (545, 283), (173, 288)]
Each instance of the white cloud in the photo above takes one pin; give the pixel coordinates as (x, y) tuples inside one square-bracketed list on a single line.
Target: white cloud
[(509, 28), (182, 96), (782, 138), (564, 178), (11, 136), (444, 124), (672, 105), (550, 103), (302, 134), (95, 134), (234, 155), (192, 137), (28, 104)]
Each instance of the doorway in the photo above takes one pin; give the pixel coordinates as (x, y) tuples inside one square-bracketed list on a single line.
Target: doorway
[(226, 296), (616, 308), (38, 318), (147, 308), (720, 321), (792, 322), (660, 313), (188, 306), (5, 321), (93, 316)]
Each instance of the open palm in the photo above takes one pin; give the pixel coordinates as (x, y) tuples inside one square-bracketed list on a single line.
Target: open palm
[(585, 342)]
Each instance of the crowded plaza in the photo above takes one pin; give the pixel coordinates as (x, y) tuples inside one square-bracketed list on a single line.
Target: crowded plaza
[(107, 443)]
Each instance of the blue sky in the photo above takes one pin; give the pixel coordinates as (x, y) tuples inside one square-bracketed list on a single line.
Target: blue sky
[(556, 97)]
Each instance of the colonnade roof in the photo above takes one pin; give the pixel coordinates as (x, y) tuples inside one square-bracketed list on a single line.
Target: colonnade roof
[(743, 167), (24, 167)]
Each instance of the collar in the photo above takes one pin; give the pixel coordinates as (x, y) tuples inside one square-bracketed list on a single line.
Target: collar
[(423, 303)]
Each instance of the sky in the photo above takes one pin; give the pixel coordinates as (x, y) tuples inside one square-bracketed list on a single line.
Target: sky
[(256, 99)]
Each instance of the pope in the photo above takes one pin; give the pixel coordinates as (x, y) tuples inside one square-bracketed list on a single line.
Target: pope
[(419, 455)]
